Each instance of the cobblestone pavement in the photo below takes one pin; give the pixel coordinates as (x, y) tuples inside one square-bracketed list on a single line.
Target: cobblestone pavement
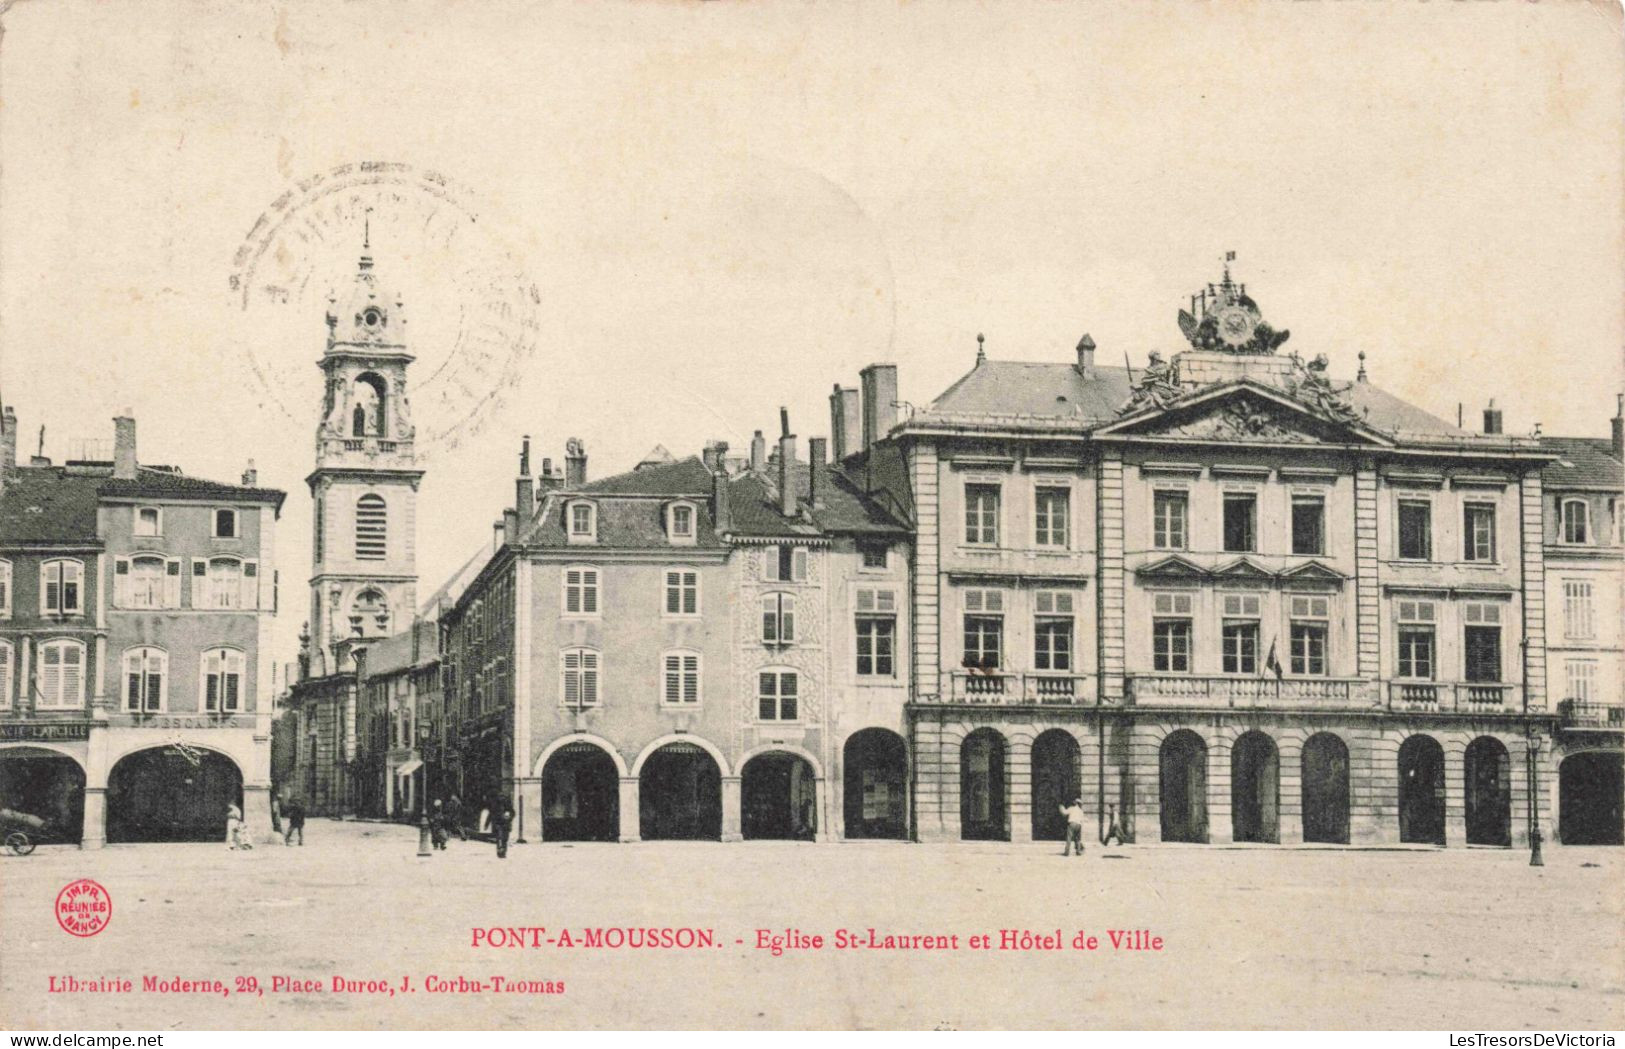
[(1254, 937)]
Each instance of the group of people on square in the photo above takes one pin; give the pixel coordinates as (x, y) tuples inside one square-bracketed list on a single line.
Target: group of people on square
[(448, 813)]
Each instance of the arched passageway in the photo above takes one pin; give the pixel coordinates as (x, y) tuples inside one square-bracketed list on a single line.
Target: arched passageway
[(1591, 799), (1488, 770), (982, 808), (778, 796), (1255, 789), (1055, 782), (874, 765), (172, 793), (41, 782), (1182, 774), (680, 794), (1421, 791), (1326, 789), (581, 797)]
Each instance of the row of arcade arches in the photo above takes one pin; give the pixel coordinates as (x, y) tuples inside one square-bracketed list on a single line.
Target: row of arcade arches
[(680, 790)]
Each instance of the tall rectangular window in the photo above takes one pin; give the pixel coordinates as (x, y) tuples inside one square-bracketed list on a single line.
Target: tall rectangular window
[(785, 564), (1171, 633), (1478, 532), (778, 619), (5, 589), (1579, 623), (1575, 517), (1169, 513), (1240, 522), (148, 521), (579, 668), (1238, 633), (1308, 524), (1052, 630), (1581, 676), (1309, 629), (876, 632), (61, 583), (682, 674), (222, 681), (581, 591), (682, 592), (1483, 642), (1052, 517), (225, 523), (984, 630), (982, 514), (777, 695), (1415, 530), (1416, 621)]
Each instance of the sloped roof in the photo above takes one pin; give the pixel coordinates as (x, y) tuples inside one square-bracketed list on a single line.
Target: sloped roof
[(683, 477), (453, 587), (46, 504), (658, 456), (174, 485), (1587, 462), (753, 501), (1013, 392)]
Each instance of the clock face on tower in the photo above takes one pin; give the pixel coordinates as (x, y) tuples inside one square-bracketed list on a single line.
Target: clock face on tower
[(1235, 325)]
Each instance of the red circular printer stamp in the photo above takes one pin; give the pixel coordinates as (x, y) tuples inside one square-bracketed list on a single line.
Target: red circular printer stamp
[(83, 908)]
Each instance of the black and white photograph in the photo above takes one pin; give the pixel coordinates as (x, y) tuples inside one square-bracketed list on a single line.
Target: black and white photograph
[(717, 516)]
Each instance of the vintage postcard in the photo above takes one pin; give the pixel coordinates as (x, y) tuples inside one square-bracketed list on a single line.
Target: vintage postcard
[(873, 515)]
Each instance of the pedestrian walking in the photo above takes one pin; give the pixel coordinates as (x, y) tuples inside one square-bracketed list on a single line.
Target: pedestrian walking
[(454, 815), (1113, 830), (1074, 827), (437, 824), (501, 823), (294, 810), (234, 823), (276, 814)]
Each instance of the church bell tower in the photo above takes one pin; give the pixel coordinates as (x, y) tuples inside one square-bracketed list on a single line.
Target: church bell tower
[(363, 554)]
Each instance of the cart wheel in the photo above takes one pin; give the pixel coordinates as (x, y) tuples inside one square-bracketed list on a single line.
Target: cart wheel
[(18, 843)]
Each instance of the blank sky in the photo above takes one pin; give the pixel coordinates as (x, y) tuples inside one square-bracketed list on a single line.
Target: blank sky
[(727, 208)]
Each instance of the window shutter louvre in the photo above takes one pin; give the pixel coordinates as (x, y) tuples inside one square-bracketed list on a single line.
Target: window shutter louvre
[(200, 581), (172, 583), (121, 582), (798, 563), (787, 619), (251, 584), (5, 675)]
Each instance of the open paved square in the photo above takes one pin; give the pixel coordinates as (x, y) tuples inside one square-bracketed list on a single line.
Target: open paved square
[(1251, 937)]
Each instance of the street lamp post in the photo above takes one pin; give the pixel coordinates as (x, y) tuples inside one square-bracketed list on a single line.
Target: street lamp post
[(1533, 751)]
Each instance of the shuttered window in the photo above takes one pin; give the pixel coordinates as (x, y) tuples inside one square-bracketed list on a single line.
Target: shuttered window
[(580, 669), (146, 673), (681, 674), (223, 681), (581, 591), (371, 528), (62, 587), (61, 675), (5, 674)]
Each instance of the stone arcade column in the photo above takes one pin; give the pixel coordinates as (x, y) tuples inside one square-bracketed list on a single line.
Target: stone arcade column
[(256, 810), (95, 826), (1289, 749), (1220, 827), (630, 825), (824, 831), (730, 809), (1455, 794), (1018, 788), (527, 825)]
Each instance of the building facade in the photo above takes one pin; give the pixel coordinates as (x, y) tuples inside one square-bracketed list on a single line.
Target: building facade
[(1585, 568), (1221, 599), (137, 602)]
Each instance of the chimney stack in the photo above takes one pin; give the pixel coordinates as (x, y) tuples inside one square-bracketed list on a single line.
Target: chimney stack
[(787, 465), (547, 480), (497, 533), (8, 443), (1492, 418), (124, 447), (721, 512), (575, 463), (817, 481), (879, 382), (1619, 426), (251, 476), (524, 489), (845, 420), (758, 452), (1086, 356)]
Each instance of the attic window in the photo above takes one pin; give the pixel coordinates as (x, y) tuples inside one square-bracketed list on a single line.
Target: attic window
[(680, 522), (583, 522)]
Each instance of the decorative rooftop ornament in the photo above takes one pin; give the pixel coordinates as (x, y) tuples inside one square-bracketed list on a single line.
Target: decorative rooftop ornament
[(1223, 318), (1315, 389)]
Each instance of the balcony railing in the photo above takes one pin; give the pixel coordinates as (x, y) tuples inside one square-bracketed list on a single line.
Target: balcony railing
[(1187, 690), (1012, 688), (1451, 696), (1609, 717)]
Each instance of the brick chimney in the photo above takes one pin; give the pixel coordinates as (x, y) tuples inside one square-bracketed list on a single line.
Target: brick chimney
[(524, 489), (1086, 356), (547, 480), (1618, 420), (8, 444), (818, 482), (787, 465), (721, 511), (879, 382), (251, 476), (124, 447), (845, 420), (575, 463), (1492, 418), (758, 452)]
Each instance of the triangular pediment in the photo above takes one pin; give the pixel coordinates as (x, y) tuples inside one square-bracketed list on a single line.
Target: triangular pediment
[(1242, 412), (1312, 572), (1174, 567), (1241, 568)]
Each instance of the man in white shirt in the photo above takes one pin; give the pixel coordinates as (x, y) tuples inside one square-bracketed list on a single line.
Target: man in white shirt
[(1074, 826)]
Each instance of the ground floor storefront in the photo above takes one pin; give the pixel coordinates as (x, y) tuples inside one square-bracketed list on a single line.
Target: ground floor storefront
[(1004, 774), (157, 779)]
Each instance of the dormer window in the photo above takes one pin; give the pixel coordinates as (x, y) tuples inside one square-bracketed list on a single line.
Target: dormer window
[(582, 522), (680, 523), (1576, 516), (225, 523)]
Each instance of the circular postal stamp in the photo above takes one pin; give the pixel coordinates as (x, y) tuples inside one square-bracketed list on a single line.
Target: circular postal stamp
[(83, 908), (473, 312)]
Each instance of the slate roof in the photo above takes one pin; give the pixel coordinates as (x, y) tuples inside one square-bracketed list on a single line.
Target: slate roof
[(46, 504), (753, 500), (683, 477), (1587, 462), (1055, 393), (170, 484)]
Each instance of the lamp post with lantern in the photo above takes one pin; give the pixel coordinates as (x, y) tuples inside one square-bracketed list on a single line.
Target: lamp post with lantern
[(1533, 752)]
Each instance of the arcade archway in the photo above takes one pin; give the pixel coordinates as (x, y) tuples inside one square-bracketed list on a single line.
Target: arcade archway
[(1326, 789), (1488, 770), (1055, 782), (581, 796), (680, 794), (778, 796), (1255, 789), (1182, 775), (41, 782), (1421, 791), (981, 787), (1590, 790), (172, 793), (875, 776)]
